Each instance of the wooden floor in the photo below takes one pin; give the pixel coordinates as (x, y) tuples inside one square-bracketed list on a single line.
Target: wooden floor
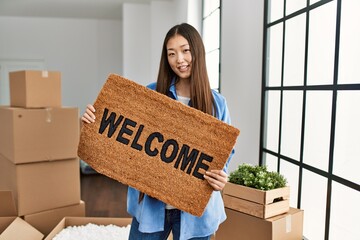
[(103, 197)]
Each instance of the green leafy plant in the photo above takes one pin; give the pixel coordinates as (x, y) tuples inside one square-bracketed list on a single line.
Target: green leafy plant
[(257, 177)]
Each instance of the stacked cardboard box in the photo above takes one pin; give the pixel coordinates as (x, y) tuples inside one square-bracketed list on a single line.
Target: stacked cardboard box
[(261, 215), (10, 223), (38, 150), (239, 225)]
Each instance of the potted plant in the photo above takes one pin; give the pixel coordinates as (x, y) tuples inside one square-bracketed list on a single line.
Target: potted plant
[(256, 191)]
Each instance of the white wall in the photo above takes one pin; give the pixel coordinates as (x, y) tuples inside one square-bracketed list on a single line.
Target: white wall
[(162, 19), (180, 10), (241, 66), (136, 42), (83, 50), (194, 14), (110, 46), (144, 30)]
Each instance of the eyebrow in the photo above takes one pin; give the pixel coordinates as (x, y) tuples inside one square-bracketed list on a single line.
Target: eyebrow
[(180, 46)]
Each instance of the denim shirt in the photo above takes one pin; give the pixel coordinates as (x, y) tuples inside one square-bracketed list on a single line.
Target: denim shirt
[(150, 212)]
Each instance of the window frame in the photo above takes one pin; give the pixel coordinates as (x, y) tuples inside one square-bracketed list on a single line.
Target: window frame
[(204, 17), (335, 87)]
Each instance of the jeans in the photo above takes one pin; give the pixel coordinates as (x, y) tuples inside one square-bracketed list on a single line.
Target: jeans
[(172, 223)]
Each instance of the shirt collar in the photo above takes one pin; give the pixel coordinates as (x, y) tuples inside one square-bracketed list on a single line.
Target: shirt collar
[(172, 89)]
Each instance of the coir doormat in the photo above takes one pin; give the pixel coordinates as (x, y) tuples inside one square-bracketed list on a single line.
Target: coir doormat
[(155, 144)]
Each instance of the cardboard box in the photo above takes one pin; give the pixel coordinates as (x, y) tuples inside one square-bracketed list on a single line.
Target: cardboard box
[(41, 186), (47, 220), (288, 226), (32, 135), (78, 221), (35, 89), (256, 202), (19, 229), (12, 227)]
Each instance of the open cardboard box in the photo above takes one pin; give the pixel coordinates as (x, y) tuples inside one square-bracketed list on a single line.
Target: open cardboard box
[(79, 221), (46, 221), (11, 226)]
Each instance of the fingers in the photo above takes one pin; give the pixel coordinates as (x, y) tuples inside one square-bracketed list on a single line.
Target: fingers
[(216, 178), (89, 116), (91, 107), (85, 119)]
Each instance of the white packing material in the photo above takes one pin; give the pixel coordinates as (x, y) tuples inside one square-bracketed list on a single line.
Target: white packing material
[(92, 231)]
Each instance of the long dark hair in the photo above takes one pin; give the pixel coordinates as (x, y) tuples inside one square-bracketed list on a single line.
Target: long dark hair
[(200, 92)]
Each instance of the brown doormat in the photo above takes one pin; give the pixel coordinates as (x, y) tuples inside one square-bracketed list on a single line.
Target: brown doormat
[(155, 144)]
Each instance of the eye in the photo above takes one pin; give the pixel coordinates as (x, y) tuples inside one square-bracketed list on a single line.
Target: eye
[(187, 50), (171, 54)]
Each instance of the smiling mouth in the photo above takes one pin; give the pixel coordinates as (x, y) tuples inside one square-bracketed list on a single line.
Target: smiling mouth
[(183, 68)]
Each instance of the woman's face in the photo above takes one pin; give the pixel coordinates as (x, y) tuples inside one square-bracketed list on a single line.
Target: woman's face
[(179, 56)]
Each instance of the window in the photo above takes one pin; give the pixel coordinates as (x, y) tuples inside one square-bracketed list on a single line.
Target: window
[(311, 113), (211, 38)]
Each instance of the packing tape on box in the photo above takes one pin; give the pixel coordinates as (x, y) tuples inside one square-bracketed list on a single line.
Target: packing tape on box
[(45, 74), (288, 223), (48, 115)]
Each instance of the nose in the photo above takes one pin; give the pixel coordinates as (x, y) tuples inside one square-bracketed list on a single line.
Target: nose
[(180, 58)]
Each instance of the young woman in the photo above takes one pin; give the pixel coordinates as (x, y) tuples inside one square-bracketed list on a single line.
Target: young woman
[(183, 77)]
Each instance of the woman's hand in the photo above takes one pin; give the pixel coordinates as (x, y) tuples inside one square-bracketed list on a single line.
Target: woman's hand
[(89, 116), (216, 178)]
